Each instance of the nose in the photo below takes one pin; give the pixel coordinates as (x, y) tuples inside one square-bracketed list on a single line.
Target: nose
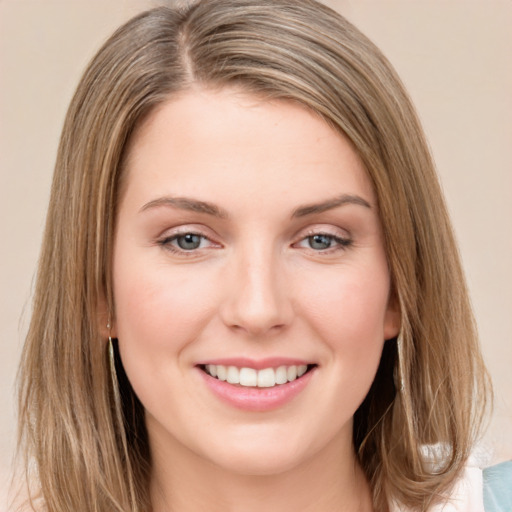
[(257, 295)]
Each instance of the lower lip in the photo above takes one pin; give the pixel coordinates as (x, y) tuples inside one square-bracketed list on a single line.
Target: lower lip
[(256, 399)]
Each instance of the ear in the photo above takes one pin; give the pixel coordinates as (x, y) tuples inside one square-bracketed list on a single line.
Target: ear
[(392, 318), (106, 323)]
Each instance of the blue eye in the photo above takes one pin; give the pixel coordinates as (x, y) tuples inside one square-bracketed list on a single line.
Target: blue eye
[(320, 242), (184, 242), (323, 242), (188, 241)]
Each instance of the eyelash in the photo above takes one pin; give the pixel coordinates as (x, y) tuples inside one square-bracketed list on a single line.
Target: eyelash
[(341, 243), (166, 243)]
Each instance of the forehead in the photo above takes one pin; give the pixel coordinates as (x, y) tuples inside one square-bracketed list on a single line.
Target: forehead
[(204, 138)]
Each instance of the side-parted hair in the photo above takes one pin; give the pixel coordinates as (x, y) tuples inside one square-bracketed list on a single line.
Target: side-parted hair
[(88, 451)]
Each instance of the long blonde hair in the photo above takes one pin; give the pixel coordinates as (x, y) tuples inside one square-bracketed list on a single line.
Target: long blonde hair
[(90, 450)]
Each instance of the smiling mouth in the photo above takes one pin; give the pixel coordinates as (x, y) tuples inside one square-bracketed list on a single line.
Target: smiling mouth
[(250, 377)]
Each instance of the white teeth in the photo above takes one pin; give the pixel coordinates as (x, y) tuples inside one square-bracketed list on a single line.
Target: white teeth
[(266, 378), (221, 372), (233, 375), (291, 373), (249, 377), (281, 375)]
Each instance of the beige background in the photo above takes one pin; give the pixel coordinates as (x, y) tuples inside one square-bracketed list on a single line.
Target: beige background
[(454, 56)]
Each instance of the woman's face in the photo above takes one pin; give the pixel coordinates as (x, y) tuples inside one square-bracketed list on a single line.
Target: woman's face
[(248, 246)]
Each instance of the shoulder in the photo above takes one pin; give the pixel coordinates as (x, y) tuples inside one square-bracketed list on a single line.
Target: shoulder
[(477, 490), (488, 490), (497, 488)]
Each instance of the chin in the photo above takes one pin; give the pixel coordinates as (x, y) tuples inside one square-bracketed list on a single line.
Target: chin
[(261, 453), (254, 463)]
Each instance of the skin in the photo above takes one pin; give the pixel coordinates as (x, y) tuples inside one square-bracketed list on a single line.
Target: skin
[(255, 287)]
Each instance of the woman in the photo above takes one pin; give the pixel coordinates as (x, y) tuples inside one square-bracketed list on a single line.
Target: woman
[(248, 288)]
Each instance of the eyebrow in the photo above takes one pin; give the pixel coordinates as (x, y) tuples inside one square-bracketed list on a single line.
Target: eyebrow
[(330, 204), (186, 203), (194, 205)]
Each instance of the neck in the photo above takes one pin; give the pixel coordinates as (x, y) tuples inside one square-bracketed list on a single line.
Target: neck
[(330, 481)]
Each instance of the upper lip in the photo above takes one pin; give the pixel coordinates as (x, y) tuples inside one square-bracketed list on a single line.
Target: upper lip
[(257, 364)]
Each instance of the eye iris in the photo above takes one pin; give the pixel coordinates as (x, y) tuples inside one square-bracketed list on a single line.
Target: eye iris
[(189, 241), (320, 241)]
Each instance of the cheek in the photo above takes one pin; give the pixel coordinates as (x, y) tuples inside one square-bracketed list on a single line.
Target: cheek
[(349, 313), (160, 311), (351, 305), (158, 307)]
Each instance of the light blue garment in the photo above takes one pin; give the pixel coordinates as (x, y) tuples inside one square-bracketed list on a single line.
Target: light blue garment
[(498, 488)]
